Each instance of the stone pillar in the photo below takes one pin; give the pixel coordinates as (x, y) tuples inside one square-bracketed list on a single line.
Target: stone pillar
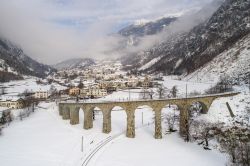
[(74, 116), (130, 123), (66, 113), (60, 110), (158, 132), (106, 128), (88, 119), (184, 121)]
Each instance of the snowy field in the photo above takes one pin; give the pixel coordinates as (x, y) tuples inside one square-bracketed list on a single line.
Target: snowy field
[(17, 87), (45, 139)]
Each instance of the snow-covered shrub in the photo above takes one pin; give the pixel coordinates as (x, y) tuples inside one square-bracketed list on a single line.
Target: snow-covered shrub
[(6, 117), (170, 119), (224, 85), (174, 91), (236, 142), (203, 132)]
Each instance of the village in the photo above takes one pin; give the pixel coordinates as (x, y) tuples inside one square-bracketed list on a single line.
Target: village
[(91, 83), (35, 103)]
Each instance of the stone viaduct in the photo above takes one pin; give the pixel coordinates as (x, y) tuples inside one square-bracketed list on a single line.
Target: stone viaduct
[(71, 111)]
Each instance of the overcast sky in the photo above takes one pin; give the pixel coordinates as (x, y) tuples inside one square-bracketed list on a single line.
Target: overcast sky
[(54, 30)]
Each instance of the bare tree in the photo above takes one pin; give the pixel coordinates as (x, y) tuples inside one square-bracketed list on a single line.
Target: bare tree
[(203, 131), (145, 94), (80, 85), (162, 91), (2, 91), (236, 142), (174, 91), (6, 117), (151, 93), (170, 120), (53, 90), (224, 85), (193, 112)]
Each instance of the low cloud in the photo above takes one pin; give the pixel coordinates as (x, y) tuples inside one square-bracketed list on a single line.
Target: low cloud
[(54, 30)]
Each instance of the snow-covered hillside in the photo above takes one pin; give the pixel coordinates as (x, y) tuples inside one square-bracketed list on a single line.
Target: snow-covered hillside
[(186, 51), (149, 64), (234, 63), (77, 63), (13, 60)]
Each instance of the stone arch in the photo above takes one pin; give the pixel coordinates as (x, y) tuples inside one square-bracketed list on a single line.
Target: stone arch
[(107, 114), (199, 106), (95, 108), (145, 108), (169, 114), (74, 115), (144, 115), (97, 112)]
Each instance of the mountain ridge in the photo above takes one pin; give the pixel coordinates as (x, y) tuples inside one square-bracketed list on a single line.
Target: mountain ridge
[(189, 51), (15, 61), (80, 63)]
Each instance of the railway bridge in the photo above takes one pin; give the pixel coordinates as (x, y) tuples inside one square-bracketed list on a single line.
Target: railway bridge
[(70, 111)]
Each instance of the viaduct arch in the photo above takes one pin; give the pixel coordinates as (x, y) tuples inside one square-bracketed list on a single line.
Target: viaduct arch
[(70, 111)]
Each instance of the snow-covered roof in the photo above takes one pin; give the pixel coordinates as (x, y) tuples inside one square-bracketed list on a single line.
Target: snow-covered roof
[(9, 98)]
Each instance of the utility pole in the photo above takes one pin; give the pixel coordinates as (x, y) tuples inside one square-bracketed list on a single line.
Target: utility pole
[(197, 75), (186, 91), (82, 145), (249, 82), (142, 118), (129, 93)]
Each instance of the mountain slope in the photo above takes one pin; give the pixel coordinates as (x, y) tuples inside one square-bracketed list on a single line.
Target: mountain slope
[(233, 63), (13, 60), (132, 35), (80, 63), (192, 50), (149, 28)]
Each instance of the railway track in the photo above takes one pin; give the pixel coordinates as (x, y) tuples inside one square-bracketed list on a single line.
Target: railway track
[(103, 143), (98, 147)]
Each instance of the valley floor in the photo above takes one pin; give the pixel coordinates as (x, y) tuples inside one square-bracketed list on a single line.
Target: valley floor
[(45, 139)]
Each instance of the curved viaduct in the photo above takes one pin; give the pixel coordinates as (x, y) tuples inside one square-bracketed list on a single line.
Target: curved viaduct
[(71, 111)]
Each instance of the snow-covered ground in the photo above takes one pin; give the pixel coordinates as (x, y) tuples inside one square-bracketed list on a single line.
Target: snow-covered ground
[(45, 139), (17, 87), (182, 86), (233, 62), (186, 86), (218, 112)]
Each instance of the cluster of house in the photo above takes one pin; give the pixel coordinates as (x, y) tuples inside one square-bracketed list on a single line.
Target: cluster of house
[(99, 71), (12, 102), (18, 102), (91, 92), (102, 88)]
